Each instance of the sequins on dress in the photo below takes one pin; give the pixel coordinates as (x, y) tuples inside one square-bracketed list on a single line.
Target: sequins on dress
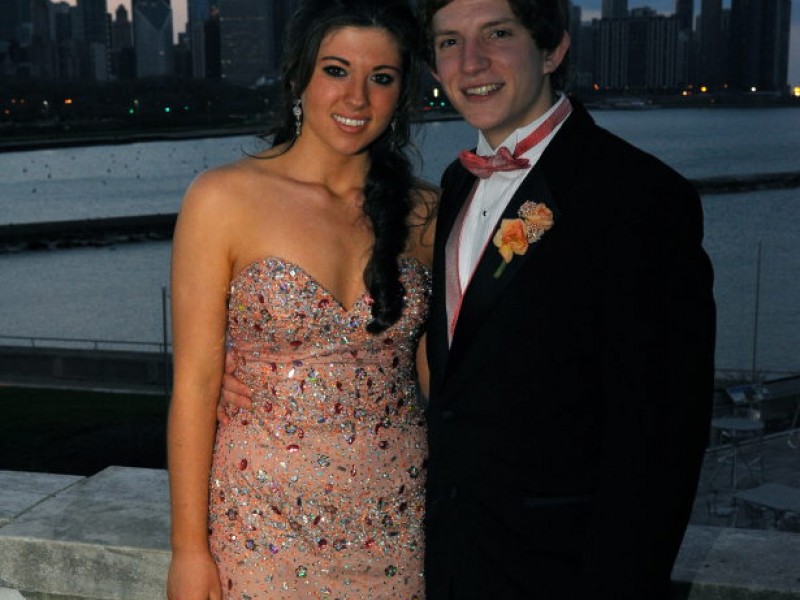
[(318, 491)]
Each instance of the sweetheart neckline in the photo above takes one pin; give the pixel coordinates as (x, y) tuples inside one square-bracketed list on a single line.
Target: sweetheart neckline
[(359, 299)]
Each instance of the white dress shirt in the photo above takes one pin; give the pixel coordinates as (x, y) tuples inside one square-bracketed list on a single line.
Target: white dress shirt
[(493, 195)]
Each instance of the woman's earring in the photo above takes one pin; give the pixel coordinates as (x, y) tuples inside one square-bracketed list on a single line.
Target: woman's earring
[(297, 111)]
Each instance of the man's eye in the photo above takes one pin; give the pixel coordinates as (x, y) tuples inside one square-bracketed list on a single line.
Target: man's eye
[(334, 71), (446, 43), (383, 78), (501, 33)]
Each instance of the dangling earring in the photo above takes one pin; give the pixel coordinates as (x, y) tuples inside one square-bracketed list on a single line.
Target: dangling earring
[(297, 111), (393, 124)]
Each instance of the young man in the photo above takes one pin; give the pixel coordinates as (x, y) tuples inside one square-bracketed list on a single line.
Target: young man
[(571, 333)]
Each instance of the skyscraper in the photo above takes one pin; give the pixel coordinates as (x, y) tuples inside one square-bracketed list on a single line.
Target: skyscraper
[(760, 52), (247, 52), (123, 59), (95, 22), (152, 32), (614, 9), (653, 51), (199, 12), (684, 12), (610, 45), (711, 64), (121, 30)]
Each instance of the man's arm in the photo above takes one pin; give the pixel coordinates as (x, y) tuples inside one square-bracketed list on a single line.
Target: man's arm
[(658, 353)]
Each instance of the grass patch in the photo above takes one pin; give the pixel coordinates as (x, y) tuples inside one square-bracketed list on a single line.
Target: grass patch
[(80, 432)]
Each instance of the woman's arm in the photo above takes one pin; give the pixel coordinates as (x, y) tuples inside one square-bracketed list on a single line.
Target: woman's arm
[(201, 268)]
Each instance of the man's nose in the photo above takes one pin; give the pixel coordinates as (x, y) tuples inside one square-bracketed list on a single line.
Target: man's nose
[(474, 57)]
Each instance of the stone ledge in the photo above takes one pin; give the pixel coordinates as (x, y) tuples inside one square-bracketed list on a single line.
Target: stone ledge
[(106, 537), (717, 563), (21, 491), (103, 538)]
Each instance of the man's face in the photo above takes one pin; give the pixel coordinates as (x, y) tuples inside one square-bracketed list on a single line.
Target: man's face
[(490, 67)]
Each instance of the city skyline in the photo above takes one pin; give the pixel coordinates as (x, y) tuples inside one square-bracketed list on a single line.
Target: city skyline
[(590, 10)]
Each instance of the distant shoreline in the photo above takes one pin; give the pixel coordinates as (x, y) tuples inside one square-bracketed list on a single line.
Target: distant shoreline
[(94, 137), (132, 136), (52, 235)]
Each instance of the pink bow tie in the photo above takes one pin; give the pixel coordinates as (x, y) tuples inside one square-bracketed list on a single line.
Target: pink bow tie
[(504, 160), (485, 166)]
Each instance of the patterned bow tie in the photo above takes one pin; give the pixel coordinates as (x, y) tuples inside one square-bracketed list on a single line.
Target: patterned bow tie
[(504, 160)]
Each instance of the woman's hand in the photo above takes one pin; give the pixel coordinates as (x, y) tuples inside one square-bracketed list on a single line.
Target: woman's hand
[(193, 576)]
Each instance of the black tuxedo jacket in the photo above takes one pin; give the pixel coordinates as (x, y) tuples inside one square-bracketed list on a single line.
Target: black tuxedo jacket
[(569, 417)]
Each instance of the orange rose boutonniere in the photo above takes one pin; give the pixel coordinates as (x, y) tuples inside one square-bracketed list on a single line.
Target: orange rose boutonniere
[(515, 235)]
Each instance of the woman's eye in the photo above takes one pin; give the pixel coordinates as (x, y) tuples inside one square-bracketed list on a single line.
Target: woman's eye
[(334, 71), (383, 78), (447, 43)]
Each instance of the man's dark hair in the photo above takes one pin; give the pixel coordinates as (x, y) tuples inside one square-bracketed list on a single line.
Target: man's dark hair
[(547, 21)]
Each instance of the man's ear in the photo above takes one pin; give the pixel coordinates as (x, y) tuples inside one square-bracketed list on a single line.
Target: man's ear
[(555, 57)]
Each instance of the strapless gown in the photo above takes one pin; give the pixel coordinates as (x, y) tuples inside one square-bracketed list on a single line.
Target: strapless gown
[(318, 491)]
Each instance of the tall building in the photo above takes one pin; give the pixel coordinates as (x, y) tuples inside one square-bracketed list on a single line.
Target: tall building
[(247, 51), (576, 67), (684, 12), (199, 13), (14, 13), (95, 23), (152, 34), (93, 36), (760, 54), (26, 48), (711, 63), (121, 30), (68, 65), (123, 58), (211, 46), (653, 51), (610, 45), (614, 9)]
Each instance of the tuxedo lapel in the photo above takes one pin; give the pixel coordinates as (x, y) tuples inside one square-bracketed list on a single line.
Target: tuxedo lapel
[(457, 185), (484, 289)]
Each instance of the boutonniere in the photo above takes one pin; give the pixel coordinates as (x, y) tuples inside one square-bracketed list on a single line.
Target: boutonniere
[(515, 235)]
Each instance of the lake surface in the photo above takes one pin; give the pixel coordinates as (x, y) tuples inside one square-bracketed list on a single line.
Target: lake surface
[(115, 292)]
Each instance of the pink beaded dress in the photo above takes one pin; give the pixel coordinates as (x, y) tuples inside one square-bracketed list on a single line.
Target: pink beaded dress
[(318, 491)]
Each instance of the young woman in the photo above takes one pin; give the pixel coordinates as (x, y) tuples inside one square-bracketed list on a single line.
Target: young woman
[(310, 263)]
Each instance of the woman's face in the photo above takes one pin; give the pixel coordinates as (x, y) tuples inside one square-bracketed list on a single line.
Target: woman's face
[(354, 89)]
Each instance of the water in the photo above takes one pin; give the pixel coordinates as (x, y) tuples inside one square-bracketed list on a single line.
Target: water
[(115, 292), (145, 178)]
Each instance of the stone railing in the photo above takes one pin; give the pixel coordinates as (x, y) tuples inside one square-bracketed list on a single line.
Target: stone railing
[(106, 537)]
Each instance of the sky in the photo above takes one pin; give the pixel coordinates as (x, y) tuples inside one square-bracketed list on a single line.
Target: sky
[(591, 9)]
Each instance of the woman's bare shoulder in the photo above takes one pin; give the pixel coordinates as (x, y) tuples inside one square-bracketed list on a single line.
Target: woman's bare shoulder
[(228, 186)]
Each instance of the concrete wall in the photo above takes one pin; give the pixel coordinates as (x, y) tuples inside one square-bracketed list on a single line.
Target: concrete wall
[(67, 367)]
